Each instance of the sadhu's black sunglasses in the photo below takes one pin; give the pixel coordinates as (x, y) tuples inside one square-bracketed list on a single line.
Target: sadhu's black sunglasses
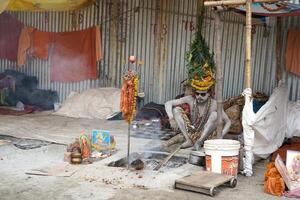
[(201, 93)]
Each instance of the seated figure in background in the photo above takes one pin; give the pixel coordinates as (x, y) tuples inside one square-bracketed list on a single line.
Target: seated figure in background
[(197, 125)]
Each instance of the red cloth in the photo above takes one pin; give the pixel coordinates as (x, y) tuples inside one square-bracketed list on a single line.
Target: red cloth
[(34, 43), (74, 56), (40, 44), (10, 30), (292, 52)]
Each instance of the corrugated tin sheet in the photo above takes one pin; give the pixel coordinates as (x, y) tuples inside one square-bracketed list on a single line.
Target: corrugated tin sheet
[(158, 32)]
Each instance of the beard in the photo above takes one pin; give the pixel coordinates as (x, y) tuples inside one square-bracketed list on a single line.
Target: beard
[(202, 99)]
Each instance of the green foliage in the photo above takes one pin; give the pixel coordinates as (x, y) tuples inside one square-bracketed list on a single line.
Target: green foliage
[(199, 52)]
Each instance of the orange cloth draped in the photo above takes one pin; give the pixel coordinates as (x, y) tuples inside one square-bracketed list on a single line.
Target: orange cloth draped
[(24, 45), (34, 43), (292, 52), (274, 183), (74, 56), (40, 44)]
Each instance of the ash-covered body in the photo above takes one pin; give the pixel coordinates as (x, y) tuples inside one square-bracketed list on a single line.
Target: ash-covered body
[(202, 119)]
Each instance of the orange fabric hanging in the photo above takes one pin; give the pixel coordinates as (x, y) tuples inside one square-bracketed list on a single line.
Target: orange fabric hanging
[(74, 56), (292, 52), (24, 45), (274, 183), (34, 43), (40, 44)]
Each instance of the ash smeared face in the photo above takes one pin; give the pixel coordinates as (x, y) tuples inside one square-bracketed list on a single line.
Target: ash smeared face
[(202, 96)]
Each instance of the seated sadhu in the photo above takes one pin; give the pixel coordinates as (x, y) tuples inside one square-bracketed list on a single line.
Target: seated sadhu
[(201, 122)]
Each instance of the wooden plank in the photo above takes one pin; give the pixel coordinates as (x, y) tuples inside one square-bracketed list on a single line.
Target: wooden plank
[(204, 180), (192, 188)]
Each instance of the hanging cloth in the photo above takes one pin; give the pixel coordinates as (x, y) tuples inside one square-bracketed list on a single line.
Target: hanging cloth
[(45, 5), (292, 52), (34, 43), (10, 30), (74, 55), (24, 45)]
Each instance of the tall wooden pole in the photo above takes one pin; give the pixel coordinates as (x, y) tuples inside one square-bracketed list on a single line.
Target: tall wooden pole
[(248, 44), (219, 74), (278, 50)]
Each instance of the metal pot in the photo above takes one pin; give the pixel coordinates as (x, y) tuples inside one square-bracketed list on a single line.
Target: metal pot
[(197, 158), (76, 158)]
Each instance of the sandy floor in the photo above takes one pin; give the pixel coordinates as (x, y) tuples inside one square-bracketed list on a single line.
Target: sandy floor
[(97, 180)]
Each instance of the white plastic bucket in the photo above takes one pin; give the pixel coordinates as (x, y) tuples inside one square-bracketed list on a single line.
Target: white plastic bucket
[(222, 156)]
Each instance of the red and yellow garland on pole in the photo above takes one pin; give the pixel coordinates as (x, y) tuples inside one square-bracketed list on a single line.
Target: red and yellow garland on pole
[(129, 93)]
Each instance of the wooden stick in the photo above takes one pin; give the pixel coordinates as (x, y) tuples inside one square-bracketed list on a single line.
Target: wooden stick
[(235, 2), (167, 159), (128, 146), (224, 3), (278, 50), (248, 44), (219, 83)]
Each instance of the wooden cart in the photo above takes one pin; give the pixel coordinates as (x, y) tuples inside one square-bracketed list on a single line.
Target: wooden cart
[(205, 182)]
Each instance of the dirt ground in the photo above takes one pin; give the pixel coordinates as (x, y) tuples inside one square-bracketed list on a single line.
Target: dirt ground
[(97, 181)]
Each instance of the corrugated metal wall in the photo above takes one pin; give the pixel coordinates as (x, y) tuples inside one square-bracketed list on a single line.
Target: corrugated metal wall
[(158, 32)]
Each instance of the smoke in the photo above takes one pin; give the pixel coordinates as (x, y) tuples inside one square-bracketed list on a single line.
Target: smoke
[(148, 129)]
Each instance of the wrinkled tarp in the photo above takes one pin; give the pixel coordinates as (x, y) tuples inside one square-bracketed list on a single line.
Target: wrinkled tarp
[(43, 5), (91, 104), (264, 132), (293, 125), (270, 123)]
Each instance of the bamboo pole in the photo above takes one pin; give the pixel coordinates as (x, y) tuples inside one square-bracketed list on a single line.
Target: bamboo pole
[(128, 146), (224, 3), (278, 49), (235, 2), (248, 44), (219, 74)]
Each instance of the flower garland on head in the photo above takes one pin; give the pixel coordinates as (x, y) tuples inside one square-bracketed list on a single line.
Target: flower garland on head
[(129, 93), (199, 59)]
